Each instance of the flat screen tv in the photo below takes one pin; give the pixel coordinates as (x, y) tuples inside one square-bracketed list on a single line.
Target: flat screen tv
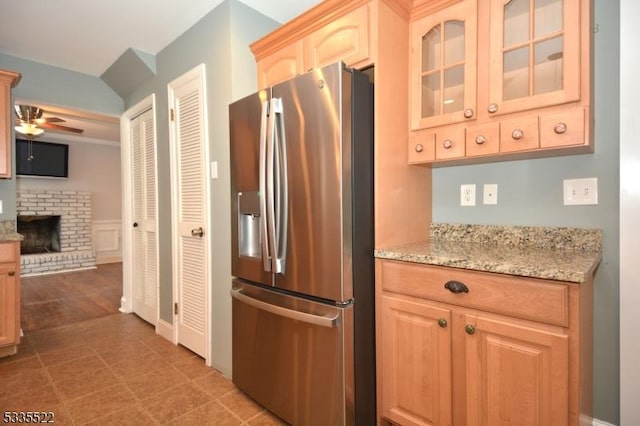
[(45, 159)]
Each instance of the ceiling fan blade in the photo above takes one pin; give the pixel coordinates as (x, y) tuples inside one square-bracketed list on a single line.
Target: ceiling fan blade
[(49, 120), (59, 127)]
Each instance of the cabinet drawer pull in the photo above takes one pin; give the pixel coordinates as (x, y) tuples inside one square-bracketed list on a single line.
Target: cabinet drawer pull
[(442, 323), (560, 128), (11, 273), (447, 144), (470, 329), (493, 108), (456, 287), (468, 113), (480, 139), (419, 148), (517, 134)]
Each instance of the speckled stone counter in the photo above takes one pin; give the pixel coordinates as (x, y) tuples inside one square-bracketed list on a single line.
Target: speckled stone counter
[(8, 231), (563, 254)]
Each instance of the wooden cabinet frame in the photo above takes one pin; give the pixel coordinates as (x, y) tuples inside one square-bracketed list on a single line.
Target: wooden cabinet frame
[(8, 80), (529, 339)]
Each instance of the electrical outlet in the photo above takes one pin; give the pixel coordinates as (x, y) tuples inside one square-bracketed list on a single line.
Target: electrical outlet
[(468, 195), (490, 193), (580, 191)]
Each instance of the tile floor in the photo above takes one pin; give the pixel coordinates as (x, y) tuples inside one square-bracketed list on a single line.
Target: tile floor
[(115, 370)]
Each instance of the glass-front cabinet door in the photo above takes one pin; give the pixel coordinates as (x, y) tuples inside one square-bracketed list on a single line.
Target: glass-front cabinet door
[(534, 58), (443, 66)]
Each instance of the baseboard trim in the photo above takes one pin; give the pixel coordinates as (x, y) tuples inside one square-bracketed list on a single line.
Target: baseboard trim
[(597, 422), (164, 329)]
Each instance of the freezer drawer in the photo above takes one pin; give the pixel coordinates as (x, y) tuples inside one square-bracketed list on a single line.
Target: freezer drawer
[(292, 355)]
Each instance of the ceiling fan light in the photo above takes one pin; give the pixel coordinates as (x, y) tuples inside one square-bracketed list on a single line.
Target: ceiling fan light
[(29, 129)]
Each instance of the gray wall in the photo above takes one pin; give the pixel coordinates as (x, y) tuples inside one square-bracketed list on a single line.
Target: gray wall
[(530, 193), (58, 87), (220, 40)]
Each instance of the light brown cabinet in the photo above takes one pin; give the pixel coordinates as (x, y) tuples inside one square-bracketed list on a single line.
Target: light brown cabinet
[(493, 80), (8, 80), (9, 297), (346, 38), (490, 349), (371, 35)]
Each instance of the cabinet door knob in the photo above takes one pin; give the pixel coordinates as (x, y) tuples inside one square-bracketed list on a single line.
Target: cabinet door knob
[(419, 147), (11, 273), (442, 323), (480, 139), (517, 134), (456, 287), (470, 329), (197, 232), (447, 144), (135, 224), (492, 108), (560, 128), (468, 113)]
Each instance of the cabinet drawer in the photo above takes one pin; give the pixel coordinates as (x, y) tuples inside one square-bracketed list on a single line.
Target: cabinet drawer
[(483, 139), (421, 147), (450, 143), (8, 252), (528, 298), (519, 134), (562, 128)]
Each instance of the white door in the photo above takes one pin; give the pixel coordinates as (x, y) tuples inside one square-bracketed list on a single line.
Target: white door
[(140, 233), (145, 263), (190, 210)]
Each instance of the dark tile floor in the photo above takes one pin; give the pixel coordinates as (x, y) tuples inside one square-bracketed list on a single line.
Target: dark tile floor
[(114, 370)]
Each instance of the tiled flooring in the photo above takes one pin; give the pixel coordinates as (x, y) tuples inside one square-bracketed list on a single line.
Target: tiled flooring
[(115, 370)]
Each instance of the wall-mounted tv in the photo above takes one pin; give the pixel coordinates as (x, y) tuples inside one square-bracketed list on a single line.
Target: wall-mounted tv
[(45, 159)]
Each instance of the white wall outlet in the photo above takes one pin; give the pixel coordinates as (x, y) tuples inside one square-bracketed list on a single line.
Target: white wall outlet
[(490, 193), (468, 195), (580, 191)]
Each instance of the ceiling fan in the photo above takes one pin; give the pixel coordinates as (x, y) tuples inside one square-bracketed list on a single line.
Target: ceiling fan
[(30, 121)]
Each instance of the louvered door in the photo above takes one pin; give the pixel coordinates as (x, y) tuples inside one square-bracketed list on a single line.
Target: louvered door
[(190, 195), (145, 260)]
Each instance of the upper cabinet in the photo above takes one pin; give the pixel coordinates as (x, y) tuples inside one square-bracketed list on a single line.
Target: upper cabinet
[(443, 63), (534, 55), (499, 79), (346, 38), (8, 80)]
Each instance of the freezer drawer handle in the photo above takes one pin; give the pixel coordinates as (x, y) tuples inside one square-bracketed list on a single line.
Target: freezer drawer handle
[(329, 322)]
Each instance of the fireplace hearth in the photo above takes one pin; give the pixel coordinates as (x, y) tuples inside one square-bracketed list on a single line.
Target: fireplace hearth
[(41, 233)]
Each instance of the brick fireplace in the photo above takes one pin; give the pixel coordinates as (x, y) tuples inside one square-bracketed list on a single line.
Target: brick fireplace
[(75, 249)]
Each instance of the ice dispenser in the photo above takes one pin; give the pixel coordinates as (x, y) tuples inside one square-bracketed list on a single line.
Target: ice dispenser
[(249, 224)]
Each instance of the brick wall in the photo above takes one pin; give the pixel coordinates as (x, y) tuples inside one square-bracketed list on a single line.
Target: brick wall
[(74, 209)]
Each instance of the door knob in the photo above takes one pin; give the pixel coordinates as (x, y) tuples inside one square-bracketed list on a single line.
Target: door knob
[(135, 224), (197, 232)]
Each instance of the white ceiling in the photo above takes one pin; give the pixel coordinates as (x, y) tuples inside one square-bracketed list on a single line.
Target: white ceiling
[(87, 36)]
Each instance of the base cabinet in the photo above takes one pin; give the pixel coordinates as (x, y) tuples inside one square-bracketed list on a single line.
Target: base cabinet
[(9, 297), (444, 361)]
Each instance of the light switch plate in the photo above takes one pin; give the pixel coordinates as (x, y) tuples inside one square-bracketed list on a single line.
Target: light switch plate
[(214, 170), (580, 191)]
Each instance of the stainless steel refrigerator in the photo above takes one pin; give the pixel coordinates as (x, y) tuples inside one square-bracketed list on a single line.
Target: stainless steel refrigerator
[(302, 242)]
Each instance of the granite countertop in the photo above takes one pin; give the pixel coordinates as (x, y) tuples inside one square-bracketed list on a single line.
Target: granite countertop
[(563, 254), (8, 231)]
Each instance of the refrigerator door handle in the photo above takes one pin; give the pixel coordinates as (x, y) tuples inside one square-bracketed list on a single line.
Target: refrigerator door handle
[(264, 239), (280, 200), (322, 321)]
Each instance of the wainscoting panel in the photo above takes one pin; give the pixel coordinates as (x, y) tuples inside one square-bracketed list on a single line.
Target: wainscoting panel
[(107, 240)]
